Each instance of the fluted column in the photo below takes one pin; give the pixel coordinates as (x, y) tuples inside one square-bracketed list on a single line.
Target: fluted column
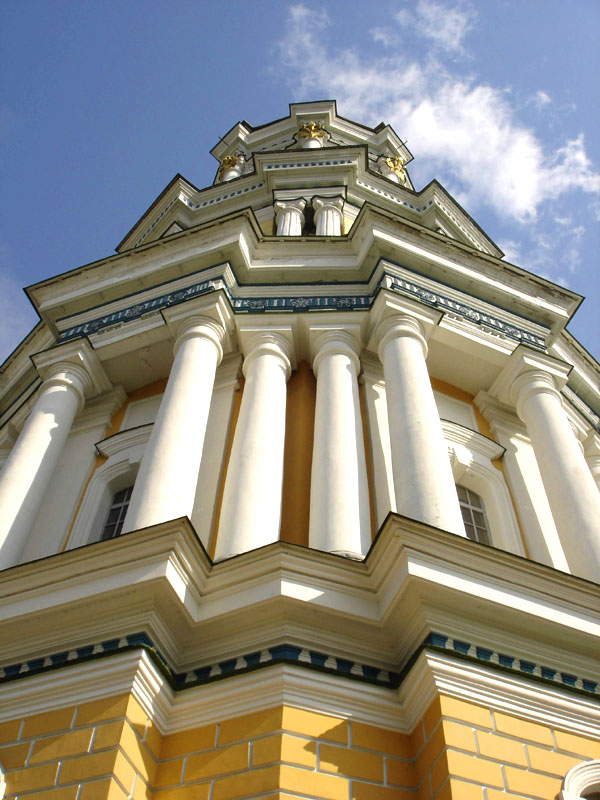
[(251, 509), (339, 495), (328, 215), (570, 487), (423, 480), (289, 217), (166, 483), (34, 456)]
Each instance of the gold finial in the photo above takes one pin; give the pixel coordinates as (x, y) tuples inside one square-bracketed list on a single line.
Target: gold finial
[(396, 164), (312, 130), (229, 162)]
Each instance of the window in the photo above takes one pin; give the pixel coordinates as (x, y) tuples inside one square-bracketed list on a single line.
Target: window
[(116, 514), (473, 514)]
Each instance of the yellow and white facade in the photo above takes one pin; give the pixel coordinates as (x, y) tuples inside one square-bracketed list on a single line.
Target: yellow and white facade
[(235, 560)]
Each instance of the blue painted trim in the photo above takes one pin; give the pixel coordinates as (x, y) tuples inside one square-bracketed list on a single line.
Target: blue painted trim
[(309, 302), (310, 659)]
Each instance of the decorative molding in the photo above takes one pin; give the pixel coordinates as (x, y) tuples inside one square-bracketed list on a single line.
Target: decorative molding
[(330, 162), (579, 779), (124, 440), (440, 666), (306, 658), (310, 302), (186, 201)]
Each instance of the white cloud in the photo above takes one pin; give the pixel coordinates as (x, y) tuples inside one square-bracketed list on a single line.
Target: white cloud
[(541, 99), (385, 36), (445, 26), (511, 250), (464, 129)]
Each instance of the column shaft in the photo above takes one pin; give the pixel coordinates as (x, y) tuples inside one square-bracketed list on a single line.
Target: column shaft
[(34, 457), (570, 487), (423, 480), (339, 496), (251, 509), (166, 484), (328, 216), (289, 217)]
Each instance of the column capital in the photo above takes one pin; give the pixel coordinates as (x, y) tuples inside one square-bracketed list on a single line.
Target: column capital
[(200, 327), (74, 364), (326, 340), (320, 203), (524, 359), (391, 306), (261, 340), (212, 309), (399, 326), (532, 382), (295, 206)]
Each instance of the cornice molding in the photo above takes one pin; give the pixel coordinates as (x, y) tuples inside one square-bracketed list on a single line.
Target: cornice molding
[(432, 673), (271, 595)]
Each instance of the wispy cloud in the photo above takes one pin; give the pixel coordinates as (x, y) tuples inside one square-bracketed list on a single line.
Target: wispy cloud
[(467, 130), (541, 99), (444, 26)]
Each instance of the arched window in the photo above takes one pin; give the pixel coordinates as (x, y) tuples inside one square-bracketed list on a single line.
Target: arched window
[(582, 782), (105, 502), (116, 513), (473, 514)]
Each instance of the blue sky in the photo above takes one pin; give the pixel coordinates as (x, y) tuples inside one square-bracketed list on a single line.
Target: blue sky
[(102, 103)]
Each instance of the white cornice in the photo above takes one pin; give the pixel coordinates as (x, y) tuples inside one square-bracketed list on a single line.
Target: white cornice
[(435, 673), (124, 440), (432, 674), (459, 434), (253, 255), (353, 609)]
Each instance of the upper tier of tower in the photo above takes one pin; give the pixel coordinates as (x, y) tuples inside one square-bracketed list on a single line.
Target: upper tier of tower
[(311, 153)]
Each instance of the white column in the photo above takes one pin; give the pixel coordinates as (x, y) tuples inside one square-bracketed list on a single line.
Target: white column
[(570, 487), (289, 217), (423, 479), (251, 509), (340, 520), (328, 215), (591, 451), (34, 456), (166, 483)]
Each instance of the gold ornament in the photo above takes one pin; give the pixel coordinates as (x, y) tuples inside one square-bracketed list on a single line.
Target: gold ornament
[(229, 162), (312, 130), (396, 164)]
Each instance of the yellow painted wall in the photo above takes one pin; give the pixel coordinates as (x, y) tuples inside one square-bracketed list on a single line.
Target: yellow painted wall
[(109, 749), (462, 748), (297, 463), (101, 748)]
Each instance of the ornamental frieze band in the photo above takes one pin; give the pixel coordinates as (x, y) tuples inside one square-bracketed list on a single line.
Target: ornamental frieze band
[(354, 302)]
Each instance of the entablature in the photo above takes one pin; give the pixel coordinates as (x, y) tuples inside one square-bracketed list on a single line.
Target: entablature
[(417, 583)]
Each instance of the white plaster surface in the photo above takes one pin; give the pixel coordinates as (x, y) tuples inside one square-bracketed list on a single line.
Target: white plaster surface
[(423, 481), (251, 509), (570, 487), (339, 499), (33, 460), (166, 483)]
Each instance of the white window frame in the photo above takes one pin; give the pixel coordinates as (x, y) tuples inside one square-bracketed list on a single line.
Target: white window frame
[(581, 778), (124, 452), (471, 455)]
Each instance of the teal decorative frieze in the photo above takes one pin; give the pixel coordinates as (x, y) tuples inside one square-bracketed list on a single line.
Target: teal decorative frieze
[(313, 300)]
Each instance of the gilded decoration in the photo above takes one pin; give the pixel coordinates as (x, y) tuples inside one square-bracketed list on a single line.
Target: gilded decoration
[(312, 130), (229, 162), (396, 164)]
